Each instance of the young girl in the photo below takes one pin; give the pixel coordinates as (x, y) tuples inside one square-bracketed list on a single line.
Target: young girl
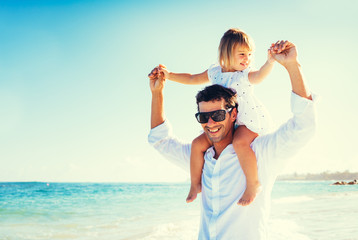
[(235, 56)]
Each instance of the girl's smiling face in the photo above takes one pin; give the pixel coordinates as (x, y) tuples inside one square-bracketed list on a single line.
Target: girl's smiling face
[(241, 58)]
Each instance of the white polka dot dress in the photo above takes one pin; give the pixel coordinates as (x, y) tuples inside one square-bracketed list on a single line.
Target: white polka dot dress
[(251, 113)]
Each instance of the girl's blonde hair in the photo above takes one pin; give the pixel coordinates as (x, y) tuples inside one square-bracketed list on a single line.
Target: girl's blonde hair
[(228, 42)]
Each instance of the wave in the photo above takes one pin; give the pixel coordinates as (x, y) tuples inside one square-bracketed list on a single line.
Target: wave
[(280, 229), (294, 199), (183, 230)]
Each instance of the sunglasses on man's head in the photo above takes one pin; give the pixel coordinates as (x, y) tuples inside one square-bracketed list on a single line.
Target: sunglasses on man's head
[(217, 116)]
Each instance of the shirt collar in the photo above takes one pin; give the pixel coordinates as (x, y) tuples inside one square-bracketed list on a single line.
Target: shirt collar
[(211, 152)]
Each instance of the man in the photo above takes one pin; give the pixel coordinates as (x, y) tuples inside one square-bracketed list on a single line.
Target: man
[(223, 181)]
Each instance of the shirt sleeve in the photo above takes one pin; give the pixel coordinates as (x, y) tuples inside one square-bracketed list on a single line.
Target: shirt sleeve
[(169, 146), (274, 150), (213, 71)]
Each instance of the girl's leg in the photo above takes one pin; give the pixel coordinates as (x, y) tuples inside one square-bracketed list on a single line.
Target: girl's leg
[(198, 148), (247, 158)]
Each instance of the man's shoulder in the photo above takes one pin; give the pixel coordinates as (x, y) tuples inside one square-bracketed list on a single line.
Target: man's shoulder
[(258, 145)]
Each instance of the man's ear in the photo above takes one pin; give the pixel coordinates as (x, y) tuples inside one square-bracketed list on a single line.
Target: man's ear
[(233, 115)]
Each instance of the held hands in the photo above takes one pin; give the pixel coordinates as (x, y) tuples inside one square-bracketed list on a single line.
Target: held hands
[(161, 69), (157, 78), (284, 52)]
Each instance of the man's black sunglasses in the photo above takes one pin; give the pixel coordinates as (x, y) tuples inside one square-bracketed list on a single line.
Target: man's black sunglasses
[(217, 116)]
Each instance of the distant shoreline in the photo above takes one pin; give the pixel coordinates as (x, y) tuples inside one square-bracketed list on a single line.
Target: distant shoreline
[(324, 176)]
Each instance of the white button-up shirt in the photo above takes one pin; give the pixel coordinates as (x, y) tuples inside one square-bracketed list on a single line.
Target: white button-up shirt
[(223, 181)]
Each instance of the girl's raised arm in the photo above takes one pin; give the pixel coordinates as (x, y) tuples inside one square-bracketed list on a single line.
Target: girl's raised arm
[(185, 78), (255, 77)]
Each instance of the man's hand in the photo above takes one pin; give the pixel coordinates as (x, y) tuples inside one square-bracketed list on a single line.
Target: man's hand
[(156, 79), (284, 52)]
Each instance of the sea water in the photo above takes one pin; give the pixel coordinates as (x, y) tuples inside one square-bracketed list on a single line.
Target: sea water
[(301, 210)]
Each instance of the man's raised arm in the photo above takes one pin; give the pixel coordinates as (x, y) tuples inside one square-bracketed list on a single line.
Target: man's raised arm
[(282, 144), (156, 83), (160, 134), (285, 53)]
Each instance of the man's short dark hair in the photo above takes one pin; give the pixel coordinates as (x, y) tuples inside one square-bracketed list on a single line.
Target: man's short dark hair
[(217, 92)]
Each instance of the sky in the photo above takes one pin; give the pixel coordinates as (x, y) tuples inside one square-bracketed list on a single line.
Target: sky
[(75, 98)]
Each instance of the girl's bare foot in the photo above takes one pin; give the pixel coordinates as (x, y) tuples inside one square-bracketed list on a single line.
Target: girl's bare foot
[(194, 190), (250, 193)]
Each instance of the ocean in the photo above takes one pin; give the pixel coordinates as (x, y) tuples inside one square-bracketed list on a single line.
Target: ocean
[(301, 210)]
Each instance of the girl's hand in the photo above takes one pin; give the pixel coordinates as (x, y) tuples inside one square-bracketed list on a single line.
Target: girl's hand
[(270, 58), (163, 70)]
